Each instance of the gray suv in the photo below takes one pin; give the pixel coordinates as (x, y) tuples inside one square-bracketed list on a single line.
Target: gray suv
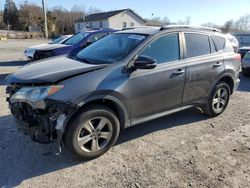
[(124, 79)]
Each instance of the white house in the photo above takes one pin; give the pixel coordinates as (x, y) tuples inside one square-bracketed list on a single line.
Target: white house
[(117, 19)]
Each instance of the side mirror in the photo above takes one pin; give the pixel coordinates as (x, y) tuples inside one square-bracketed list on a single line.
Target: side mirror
[(145, 62)]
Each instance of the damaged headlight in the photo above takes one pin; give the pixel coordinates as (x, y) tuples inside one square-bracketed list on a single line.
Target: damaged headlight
[(35, 95)]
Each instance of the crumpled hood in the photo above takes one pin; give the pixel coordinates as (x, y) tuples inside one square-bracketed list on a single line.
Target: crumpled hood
[(49, 46), (50, 71)]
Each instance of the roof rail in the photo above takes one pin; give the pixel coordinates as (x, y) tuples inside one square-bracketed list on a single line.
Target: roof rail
[(189, 27), (138, 27)]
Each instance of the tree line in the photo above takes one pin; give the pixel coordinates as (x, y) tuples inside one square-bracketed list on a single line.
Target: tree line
[(61, 20)]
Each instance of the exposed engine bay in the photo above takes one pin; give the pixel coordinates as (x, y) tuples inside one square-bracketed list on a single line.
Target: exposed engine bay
[(44, 125)]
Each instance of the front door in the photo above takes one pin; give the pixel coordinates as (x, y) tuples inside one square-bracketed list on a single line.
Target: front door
[(157, 90)]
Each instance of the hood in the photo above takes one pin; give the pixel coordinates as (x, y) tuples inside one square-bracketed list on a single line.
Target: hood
[(49, 46), (38, 46), (50, 70)]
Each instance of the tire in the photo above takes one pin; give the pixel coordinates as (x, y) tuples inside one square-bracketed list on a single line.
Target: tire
[(84, 129), (212, 108), (246, 72)]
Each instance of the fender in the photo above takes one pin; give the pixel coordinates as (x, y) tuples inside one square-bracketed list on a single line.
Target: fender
[(115, 100), (227, 73)]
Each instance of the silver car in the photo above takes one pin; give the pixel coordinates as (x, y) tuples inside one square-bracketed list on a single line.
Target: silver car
[(29, 52)]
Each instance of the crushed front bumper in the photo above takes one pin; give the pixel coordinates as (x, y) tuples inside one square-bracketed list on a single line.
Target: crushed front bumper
[(43, 125)]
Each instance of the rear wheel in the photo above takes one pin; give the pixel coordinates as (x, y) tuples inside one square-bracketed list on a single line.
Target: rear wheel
[(218, 100), (92, 133)]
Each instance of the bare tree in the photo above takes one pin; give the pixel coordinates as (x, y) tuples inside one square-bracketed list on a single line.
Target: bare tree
[(2, 24), (30, 15), (243, 23), (93, 10), (228, 26)]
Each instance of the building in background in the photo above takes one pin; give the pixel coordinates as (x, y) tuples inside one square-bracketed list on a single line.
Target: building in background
[(118, 19), (243, 38)]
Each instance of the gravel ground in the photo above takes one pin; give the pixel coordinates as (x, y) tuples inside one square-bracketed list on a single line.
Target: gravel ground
[(186, 149)]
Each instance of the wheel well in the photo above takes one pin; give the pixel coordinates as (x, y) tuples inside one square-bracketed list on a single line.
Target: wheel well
[(107, 103), (229, 81)]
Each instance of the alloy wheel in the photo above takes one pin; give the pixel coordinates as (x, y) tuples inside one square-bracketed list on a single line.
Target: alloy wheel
[(220, 100), (95, 134)]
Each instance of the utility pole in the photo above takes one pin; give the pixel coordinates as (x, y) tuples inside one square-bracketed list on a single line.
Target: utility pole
[(45, 19)]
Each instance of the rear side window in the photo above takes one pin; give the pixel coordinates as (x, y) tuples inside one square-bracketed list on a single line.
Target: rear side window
[(219, 42), (164, 49), (197, 44)]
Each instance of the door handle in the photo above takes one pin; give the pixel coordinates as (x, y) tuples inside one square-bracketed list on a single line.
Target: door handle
[(179, 72), (218, 64)]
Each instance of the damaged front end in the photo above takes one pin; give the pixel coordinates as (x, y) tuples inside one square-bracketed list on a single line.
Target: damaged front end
[(42, 118)]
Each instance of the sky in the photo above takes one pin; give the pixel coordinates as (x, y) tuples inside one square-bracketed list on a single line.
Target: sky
[(200, 11)]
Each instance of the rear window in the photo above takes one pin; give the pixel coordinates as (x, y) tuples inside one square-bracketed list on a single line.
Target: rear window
[(219, 42), (197, 44)]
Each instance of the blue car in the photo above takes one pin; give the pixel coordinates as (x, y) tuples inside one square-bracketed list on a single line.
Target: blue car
[(71, 45)]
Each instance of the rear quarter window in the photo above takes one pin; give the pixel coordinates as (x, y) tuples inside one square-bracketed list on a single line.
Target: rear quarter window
[(197, 44), (219, 42)]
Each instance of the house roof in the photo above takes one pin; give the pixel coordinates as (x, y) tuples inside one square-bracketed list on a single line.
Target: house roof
[(105, 15)]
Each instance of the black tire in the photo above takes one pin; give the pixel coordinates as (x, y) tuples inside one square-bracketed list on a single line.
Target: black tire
[(209, 108), (73, 131), (246, 72)]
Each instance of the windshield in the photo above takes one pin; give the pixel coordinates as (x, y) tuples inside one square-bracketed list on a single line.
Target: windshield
[(111, 49), (57, 41), (76, 39)]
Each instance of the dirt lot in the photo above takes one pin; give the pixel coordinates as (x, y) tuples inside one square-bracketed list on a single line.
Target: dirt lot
[(181, 150)]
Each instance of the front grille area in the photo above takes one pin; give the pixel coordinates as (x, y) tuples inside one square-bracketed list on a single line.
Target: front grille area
[(42, 54)]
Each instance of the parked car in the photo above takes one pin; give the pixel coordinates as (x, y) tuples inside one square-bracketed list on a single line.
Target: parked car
[(246, 64), (79, 40), (243, 50), (124, 79), (29, 52)]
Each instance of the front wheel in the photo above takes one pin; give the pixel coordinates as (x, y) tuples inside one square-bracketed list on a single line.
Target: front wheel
[(218, 100), (92, 133)]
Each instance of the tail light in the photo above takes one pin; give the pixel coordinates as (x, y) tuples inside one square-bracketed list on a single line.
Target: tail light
[(237, 57)]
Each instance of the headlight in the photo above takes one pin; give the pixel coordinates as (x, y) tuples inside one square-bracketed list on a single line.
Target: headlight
[(35, 95), (30, 50)]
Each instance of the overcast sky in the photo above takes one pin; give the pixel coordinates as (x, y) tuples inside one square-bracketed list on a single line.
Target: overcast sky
[(200, 11)]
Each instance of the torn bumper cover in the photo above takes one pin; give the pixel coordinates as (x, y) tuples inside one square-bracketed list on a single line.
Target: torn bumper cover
[(43, 124)]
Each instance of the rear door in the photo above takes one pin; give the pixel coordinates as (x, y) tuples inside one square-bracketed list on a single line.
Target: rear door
[(204, 67), (157, 90)]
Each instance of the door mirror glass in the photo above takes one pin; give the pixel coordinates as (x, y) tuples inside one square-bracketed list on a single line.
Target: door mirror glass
[(145, 62)]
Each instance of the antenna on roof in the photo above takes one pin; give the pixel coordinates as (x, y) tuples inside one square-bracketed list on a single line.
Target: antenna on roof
[(189, 27)]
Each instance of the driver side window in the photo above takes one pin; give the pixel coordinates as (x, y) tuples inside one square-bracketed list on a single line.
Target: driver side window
[(164, 49)]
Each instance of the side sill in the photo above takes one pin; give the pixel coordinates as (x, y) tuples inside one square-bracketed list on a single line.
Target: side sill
[(158, 115)]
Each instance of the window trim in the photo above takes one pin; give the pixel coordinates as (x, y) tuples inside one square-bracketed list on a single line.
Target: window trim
[(185, 46), (162, 35)]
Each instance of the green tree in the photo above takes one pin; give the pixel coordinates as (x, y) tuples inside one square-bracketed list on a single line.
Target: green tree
[(10, 14)]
